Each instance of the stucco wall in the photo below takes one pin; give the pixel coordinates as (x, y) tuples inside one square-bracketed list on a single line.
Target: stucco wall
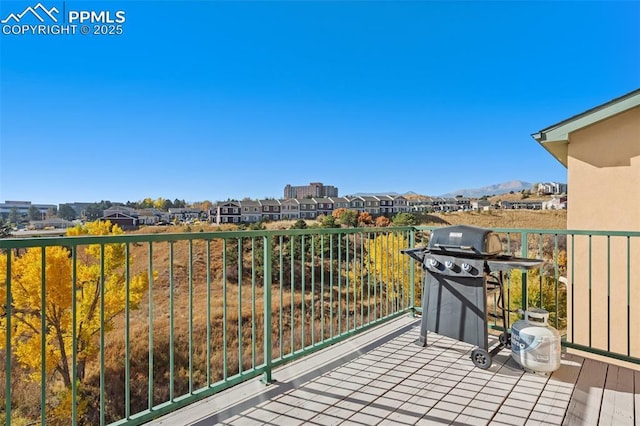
[(604, 180)]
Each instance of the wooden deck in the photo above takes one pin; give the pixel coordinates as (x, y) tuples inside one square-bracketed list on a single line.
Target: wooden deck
[(383, 378)]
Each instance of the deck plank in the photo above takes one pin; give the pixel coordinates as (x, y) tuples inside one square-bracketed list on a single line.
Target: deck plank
[(617, 400), (584, 408), (384, 378), (554, 399)]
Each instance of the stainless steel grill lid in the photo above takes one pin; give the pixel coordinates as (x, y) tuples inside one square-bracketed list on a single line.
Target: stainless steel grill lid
[(465, 239)]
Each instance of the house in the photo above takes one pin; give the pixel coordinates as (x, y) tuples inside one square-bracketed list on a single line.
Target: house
[(340, 202), (480, 205), (251, 211), (555, 203), (400, 204), (53, 222), (228, 212), (125, 217), (601, 150), (151, 216), (184, 214), (521, 205), (371, 204), (290, 209), (324, 206), (308, 208), (270, 209)]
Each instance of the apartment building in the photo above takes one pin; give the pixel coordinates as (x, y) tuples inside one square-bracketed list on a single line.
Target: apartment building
[(314, 189)]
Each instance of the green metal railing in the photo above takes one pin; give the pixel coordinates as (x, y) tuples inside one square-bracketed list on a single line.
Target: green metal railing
[(145, 324), (120, 329)]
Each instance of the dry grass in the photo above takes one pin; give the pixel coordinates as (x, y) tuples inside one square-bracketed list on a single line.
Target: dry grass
[(532, 219)]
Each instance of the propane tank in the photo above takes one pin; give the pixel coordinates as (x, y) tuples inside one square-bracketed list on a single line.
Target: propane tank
[(534, 344)]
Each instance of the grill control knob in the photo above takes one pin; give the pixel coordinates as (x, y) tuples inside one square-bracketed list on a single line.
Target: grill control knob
[(449, 264), (466, 267), (433, 263)]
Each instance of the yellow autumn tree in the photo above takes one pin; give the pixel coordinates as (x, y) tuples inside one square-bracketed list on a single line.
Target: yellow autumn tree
[(391, 266), (27, 307)]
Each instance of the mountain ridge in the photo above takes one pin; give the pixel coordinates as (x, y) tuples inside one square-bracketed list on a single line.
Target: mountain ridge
[(496, 189)]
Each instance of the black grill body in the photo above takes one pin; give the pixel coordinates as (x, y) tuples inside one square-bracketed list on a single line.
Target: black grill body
[(462, 265)]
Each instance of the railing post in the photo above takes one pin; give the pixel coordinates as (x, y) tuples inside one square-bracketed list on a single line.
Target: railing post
[(268, 329), (8, 349), (412, 271), (524, 248)]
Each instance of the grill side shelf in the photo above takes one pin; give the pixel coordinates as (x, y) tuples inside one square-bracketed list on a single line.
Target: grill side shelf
[(508, 263)]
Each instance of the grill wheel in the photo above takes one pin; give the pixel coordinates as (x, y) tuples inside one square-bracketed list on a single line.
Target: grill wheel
[(481, 358)]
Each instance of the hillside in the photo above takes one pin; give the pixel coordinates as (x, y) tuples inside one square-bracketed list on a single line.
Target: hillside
[(499, 188), (531, 219)]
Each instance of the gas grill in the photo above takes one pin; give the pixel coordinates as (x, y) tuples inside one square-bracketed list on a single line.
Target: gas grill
[(462, 266)]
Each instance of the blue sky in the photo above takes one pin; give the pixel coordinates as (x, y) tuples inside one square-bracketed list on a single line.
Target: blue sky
[(211, 100)]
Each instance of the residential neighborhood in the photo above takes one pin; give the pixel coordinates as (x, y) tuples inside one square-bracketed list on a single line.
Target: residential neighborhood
[(43, 216)]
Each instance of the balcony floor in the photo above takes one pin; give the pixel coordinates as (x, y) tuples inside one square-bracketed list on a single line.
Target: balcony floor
[(383, 378)]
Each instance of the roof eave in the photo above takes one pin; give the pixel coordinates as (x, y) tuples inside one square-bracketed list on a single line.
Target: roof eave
[(555, 139)]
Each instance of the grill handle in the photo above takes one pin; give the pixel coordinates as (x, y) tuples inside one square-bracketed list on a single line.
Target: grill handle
[(449, 246)]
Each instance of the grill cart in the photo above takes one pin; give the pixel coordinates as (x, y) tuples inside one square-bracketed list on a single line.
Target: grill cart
[(462, 266)]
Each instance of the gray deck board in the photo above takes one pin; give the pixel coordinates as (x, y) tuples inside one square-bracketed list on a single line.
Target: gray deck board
[(586, 400), (383, 377), (617, 401)]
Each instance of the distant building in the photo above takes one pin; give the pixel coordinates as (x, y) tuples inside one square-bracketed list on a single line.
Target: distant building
[(314, 189), (551, 188), (22, 207)]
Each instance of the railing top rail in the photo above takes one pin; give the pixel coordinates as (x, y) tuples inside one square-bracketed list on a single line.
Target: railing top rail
[(72, 241)]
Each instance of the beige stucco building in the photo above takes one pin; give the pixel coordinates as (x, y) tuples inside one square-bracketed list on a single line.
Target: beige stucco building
[(601, 150)]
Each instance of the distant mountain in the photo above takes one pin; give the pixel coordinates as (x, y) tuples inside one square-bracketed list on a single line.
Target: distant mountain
[(499, 188)]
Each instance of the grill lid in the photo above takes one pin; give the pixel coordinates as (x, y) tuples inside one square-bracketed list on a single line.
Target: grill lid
[(465, 240)]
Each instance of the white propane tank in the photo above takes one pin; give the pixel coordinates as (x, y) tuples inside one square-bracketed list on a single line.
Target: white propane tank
[(534, 344)]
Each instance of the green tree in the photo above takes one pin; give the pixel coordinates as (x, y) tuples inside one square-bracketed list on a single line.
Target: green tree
[(35, 214), (346, 217), (168, 204), (328, 221), (299, 224), (403, 219), (66, 212), (14, 216)]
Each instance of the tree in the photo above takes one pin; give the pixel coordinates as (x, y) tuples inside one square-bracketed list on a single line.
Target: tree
[(166, 205), (365, 219), (66, 212), (382, 222), (346, 217), (14, 216), (328, 221), (392, 267), (299, 224), (26, 278), (404, 219), (35, 214)]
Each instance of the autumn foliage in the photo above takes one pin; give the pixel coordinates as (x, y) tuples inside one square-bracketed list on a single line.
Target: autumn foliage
[(99, 294)]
